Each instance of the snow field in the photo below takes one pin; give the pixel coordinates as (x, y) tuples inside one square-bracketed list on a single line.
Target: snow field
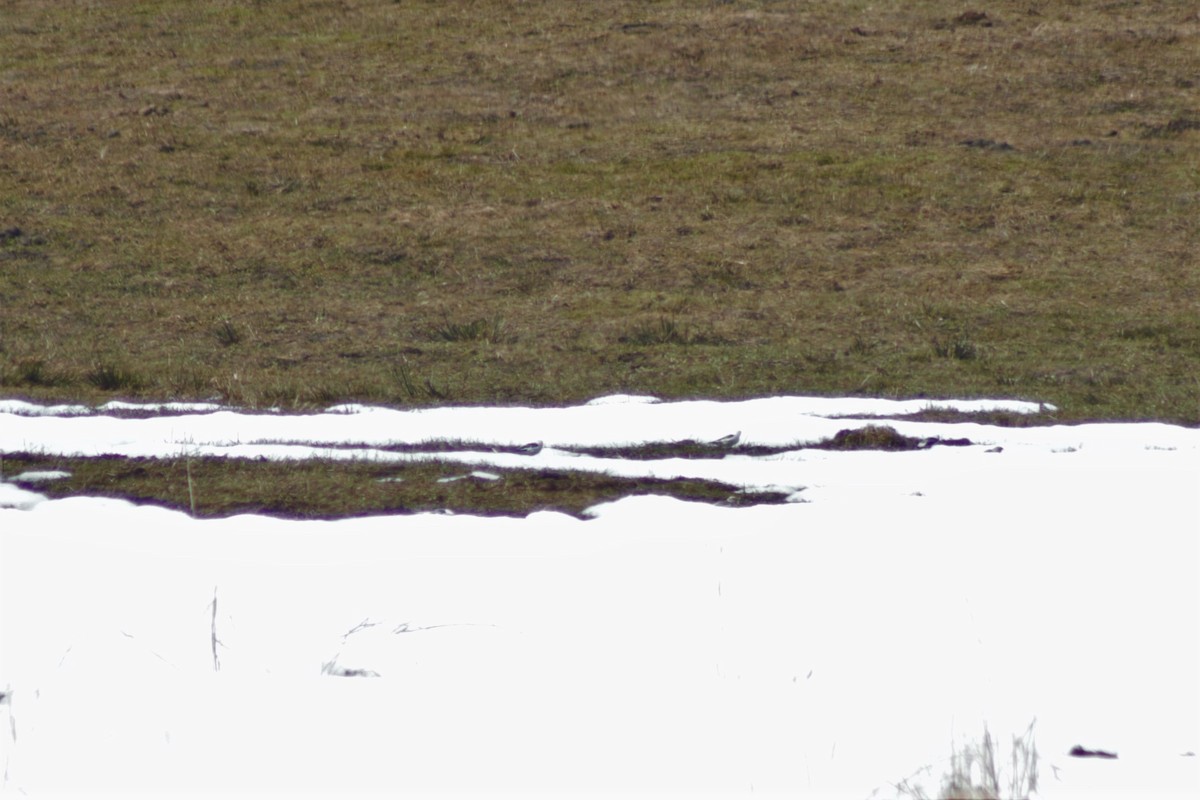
[(829, 647)]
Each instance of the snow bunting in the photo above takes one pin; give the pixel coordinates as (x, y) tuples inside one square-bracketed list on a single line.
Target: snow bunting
[(727, 441)]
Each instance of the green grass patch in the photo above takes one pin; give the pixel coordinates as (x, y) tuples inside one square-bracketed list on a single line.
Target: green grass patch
[(277, 203), (324, 489)]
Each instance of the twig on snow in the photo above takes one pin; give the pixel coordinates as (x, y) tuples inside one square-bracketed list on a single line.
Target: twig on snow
[(6, 700), (215, 640), (366, 623)]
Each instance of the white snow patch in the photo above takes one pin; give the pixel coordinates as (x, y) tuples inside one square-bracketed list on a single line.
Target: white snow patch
[(830, 646), (477, 474), (122, 405), (39, 476), (24, 408), (622, 399)]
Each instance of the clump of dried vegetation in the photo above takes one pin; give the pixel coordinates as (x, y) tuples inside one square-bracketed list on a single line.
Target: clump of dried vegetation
[(294, 203), (976, 774)]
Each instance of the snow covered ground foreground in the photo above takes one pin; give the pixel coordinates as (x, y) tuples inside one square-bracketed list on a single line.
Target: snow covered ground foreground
[(832, 646)]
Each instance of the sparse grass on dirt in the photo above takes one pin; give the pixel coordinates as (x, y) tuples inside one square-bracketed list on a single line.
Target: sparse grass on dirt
[(297, 203), (322, 489)]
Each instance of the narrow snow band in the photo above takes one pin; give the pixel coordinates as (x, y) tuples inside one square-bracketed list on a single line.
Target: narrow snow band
[(818, 406), (542, 437)]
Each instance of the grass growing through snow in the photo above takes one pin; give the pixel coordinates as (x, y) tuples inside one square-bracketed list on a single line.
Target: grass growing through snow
[(297, 203), (323, 489), (331, 488), (974, 773)]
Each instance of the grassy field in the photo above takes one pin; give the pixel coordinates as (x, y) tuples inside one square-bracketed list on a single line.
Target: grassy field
[(292, 202), (298, 202)]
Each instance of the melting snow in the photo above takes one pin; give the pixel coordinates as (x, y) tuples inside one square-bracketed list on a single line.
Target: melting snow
[(830, 647)]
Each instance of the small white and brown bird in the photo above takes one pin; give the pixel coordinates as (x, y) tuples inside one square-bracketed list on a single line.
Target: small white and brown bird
[(727, 441)]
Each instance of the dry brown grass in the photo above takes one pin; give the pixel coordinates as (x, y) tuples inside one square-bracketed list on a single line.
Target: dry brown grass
[(974, 773), (290, 202)]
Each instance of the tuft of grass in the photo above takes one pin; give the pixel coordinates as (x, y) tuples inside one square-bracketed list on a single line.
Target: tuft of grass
[(477, 330), (666, 331), (975, 773), (417, 391), (113, 376), (960, 348), (34, 372), (405, 381), (227, 334)]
